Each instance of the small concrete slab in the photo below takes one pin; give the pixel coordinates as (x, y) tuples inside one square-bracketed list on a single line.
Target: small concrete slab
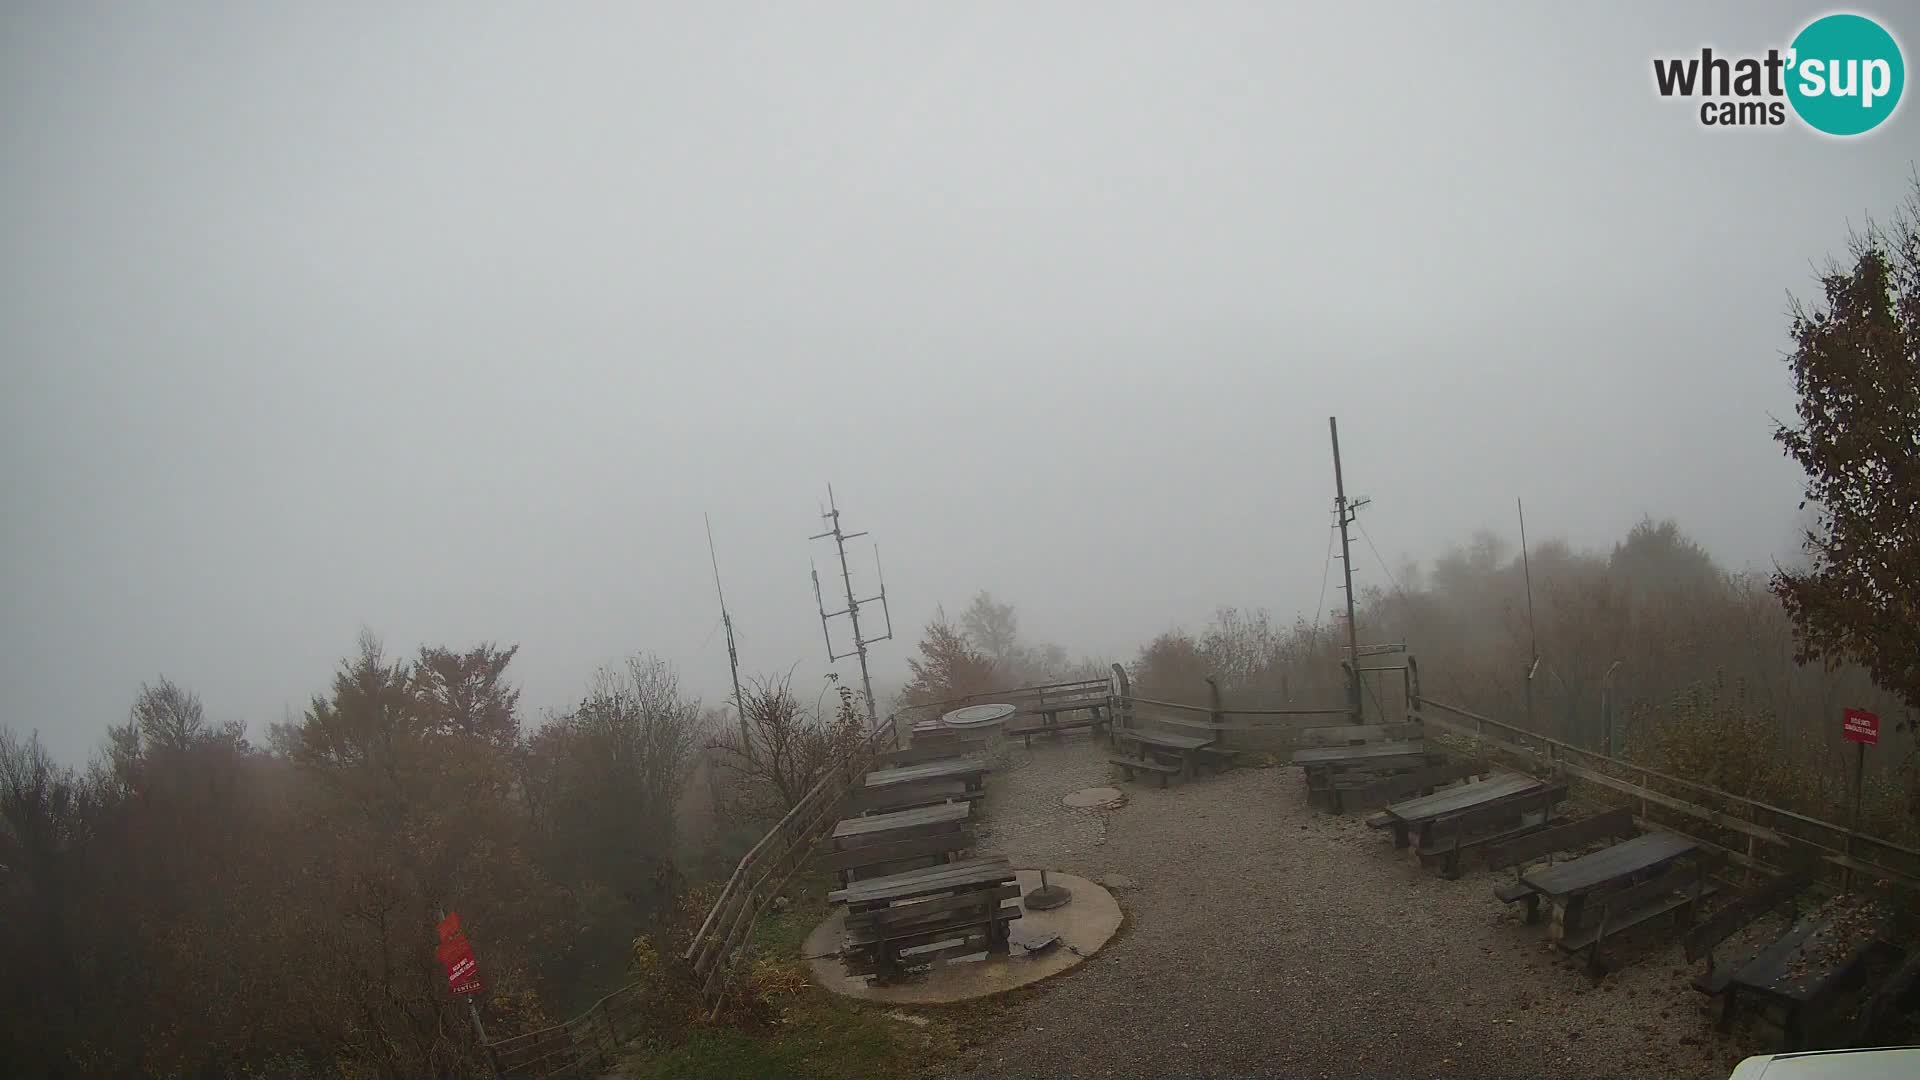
[(1085, 924), (1095, 798)]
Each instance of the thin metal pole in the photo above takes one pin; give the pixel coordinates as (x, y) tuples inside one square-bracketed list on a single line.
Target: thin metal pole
[(1859, 787), (1526, 569), (1346, 562), (733, 654)]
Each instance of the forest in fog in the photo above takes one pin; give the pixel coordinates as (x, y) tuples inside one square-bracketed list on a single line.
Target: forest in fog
[(197, 904)]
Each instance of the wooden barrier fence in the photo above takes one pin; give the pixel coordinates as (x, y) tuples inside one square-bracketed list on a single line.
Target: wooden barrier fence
[(1734, 823), (765, 870), (1024, 699), (592, 1040)]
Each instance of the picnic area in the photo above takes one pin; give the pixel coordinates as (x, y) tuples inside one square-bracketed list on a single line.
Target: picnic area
[(1265, 935)]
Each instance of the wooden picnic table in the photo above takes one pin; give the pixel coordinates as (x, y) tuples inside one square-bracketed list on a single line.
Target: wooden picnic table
[(953, 877), (968, 770), (1798, 971), (1188, 747), (880, 827), (1419, 813), (1321, 756), (1567, 885), (906, 918)]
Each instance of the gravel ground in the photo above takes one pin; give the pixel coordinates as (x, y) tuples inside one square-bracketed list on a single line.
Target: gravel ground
[(1264, 938)]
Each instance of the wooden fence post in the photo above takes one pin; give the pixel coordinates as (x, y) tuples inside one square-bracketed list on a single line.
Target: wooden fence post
[(1217, 714)]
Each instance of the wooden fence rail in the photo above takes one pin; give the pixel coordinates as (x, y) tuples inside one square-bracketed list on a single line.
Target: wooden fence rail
[(1734, 823), (765, 869), (592, 1040)]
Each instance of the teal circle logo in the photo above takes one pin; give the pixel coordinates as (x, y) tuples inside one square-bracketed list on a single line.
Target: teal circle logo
[(1846, 74)]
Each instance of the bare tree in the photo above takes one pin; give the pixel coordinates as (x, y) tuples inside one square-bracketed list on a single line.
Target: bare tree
[(793, 746)]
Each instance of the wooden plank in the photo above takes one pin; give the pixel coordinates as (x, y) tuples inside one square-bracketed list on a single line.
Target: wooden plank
[(908, 798), (950, 814), (1617, 823), (1624, 859), (1740, 911), (1643, 902), (1464, 797), (1804, 964), (874, 854), (917, 882)]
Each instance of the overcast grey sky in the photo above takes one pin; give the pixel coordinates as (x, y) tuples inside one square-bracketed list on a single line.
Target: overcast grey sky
[(449, 320)]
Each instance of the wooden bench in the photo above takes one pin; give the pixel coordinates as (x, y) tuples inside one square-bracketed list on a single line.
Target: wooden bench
[(1679, 887), (1380, 791), (1729, 919), (1520, 851), (1148, 765), (1492, 822), (1096, 703), (1186, 749)]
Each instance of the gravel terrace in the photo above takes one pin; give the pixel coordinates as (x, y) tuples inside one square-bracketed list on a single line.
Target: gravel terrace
[(1265, 938)]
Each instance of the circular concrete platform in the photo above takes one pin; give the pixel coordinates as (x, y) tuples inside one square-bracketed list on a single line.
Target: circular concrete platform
[(1095, 798), (1085, 924)]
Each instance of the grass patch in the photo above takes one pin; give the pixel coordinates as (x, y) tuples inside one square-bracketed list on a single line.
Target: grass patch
[(815, 1034)]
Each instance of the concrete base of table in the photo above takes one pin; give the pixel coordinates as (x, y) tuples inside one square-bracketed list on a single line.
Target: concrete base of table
[(1089, 921)]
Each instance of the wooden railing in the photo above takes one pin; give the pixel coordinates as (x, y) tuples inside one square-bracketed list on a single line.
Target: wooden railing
[(592, 1040), (1220, 717), (1734, 823), (765, 870), (1022, 698)]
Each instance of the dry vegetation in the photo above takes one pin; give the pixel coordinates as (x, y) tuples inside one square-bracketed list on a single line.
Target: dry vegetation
[(1705, 686), (195, 905)]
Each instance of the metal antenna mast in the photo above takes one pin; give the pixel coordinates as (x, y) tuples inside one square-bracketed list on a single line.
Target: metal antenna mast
[(1346, 512), (1526, 567), (733, 654), (852, 610)]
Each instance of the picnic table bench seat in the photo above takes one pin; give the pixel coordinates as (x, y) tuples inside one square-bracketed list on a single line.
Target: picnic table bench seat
[(1742, 910)]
